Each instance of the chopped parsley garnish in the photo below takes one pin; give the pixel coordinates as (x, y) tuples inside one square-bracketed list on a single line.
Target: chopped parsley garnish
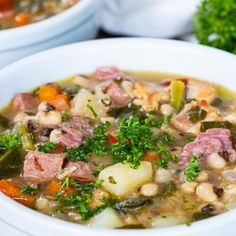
[(10, 141), (81, 202), (98, 142), (95, 144), (81, 198), (165, 156), (153, 112), (134, 138), (79, 153), (29, 190), (47, 147), (192, 169), (166, 138), (162, 163)]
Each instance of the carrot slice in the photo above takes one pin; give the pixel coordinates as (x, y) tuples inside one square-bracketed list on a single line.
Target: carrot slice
[(13, 191), (54, 187), (60, 102), (21, 19), (112, 139), (151, 156), (48, 93)]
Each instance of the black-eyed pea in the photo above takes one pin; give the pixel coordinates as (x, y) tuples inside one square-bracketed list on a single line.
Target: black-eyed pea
[(166, 109), (50, 118), (205, 192), (149, 190), (162, 176), (215, 161)]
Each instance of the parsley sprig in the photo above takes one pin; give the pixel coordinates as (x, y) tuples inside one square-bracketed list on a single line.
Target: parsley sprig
[(47, 147), (29, 190), (81, 198), (95, 144), (134, 138), (10, 141), (192, 169)]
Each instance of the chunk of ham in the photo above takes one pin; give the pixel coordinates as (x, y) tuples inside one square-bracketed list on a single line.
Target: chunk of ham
[(42, 167), (182, 122), (107, 73), (25, 102), (80, 171), (77, 122), (118, 96), (216, 140), (75, 131)]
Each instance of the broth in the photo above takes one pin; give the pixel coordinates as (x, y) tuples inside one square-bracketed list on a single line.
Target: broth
[(140, 149)]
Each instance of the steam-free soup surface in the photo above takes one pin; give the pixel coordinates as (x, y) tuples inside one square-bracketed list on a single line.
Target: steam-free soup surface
[(121, 149), (15, 13)]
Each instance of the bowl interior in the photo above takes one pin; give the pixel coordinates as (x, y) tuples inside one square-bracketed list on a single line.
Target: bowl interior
[(128, 54)]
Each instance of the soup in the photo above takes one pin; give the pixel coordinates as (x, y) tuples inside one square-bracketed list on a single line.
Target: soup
[(14, 13), (121, 149)]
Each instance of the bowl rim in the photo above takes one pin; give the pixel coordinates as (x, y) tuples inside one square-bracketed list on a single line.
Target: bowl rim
[(40, 218), (57, 19)]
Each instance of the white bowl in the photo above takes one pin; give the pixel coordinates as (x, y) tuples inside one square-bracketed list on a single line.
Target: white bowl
[(129, 54), (80, 22)]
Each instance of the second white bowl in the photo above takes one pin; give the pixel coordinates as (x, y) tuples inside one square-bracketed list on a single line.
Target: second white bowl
[(80, 22)]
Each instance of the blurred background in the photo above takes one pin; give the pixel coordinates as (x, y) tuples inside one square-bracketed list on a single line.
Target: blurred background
[(29, 26)]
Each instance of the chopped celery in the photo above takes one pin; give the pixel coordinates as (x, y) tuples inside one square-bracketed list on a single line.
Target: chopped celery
[(26, 137), (177, 93)]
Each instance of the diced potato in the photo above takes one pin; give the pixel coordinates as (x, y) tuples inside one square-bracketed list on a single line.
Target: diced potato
[(121, 180), (161, 222), (108, 218), (86, 104)]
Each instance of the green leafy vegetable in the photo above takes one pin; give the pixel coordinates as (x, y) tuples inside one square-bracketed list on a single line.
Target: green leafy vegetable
[(4, 122), (11, 163), (10, 141), (132, 204), (215, 24), (197, 114), (192, 169), (29, 190), (26, 137), (168, 189), (201, 216), (47, 147), (205, 125), (127, 111)]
